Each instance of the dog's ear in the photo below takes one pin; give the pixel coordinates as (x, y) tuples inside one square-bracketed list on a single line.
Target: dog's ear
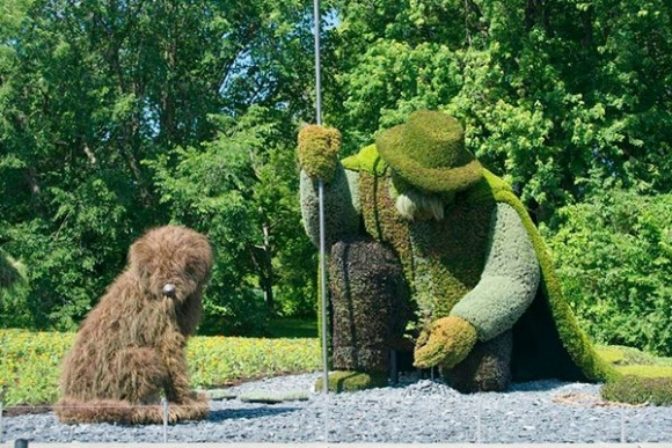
[(139, 257)]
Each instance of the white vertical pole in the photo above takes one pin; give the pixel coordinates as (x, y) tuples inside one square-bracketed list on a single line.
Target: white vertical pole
[(323, 289), (323, 250), (479, 429), (2, 399), (164, 408), (318, 71)]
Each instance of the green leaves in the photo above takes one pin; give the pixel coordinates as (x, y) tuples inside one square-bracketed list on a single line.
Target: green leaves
[(239, 189), (392, 79), (565, 100), (560, 99), (616, 268), (29, 365), (90, 90)]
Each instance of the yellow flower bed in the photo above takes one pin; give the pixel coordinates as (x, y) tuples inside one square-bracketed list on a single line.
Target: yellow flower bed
[(29, 362), (219, 360)]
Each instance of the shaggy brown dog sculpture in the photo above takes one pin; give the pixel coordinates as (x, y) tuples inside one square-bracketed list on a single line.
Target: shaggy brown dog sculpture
[(130, 348)]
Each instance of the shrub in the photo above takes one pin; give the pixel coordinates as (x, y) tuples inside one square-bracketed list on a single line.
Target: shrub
[(622, 357), (239, 190), (637, 390), (216, 361), (29, 362), (614, 257), (646, 371)]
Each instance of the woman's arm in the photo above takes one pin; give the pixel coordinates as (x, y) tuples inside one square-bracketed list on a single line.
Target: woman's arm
[(509, 281), (341, 206)]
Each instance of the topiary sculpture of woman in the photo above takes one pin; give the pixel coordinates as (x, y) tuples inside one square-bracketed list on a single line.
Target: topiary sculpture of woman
[(422, 235)]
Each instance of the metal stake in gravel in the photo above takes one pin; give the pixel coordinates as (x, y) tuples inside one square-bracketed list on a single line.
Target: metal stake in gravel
[(164, 406), (478, 420), (2, 399)]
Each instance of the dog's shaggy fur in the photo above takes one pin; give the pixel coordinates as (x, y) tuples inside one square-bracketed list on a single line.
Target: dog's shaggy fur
[(130, 348)]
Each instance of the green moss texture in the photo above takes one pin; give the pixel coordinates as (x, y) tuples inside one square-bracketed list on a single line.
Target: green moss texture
[(549, 300), (382, 222), (341, 206), (487, 368), (370, 305), (447, 342), (428, 151), (639, 390), (318, 151), (509, 280), (645, 371), (367, 160), (622, 356), (442, 260), (348, 381), (644, 378)]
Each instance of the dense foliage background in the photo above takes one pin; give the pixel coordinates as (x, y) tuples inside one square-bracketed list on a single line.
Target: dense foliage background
[(119, 115)]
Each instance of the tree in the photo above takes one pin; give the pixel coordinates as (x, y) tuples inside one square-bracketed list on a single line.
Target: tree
[(13, 292), (108, 107), (614, 256), (89, 90), (239, 191), (560, 97)]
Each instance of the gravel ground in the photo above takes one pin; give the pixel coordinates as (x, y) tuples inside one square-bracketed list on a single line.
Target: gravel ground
[(414, 411)]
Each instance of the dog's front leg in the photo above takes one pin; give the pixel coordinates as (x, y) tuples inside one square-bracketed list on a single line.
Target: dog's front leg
[(177, 382)]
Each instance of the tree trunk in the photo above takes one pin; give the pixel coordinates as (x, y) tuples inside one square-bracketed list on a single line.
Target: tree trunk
[(267, 271)]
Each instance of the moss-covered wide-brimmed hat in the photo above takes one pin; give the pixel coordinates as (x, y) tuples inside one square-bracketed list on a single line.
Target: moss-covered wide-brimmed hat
[(428, 152)]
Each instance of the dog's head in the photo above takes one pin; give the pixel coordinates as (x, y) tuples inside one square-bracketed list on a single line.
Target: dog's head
[(171, 261)]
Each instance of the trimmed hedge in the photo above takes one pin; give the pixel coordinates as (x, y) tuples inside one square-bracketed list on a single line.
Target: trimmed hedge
[(644, 377), (487, 368), (341, 206), (645, 371), (443, 260), (366, 160), (622, 356), (509, 281), (574, 340), (639, 390), (370, 305)]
